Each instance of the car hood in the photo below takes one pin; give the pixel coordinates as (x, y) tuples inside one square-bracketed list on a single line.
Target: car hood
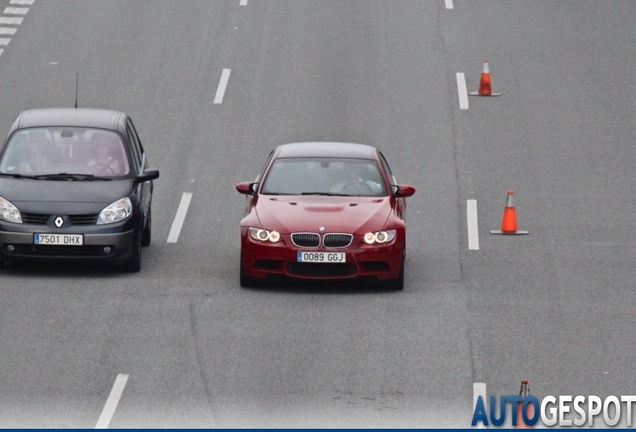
[(46, 196), (336, 214)]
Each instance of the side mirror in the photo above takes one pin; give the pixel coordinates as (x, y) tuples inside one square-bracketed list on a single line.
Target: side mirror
[(147, 175), (247, 188), (403, 191)]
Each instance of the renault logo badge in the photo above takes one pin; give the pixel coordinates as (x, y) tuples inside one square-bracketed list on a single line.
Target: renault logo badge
[(321, 229), (59, 221)]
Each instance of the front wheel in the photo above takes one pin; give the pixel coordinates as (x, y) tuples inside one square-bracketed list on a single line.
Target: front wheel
[(147, 233), (245, 280), (133, 264), (397, 284)]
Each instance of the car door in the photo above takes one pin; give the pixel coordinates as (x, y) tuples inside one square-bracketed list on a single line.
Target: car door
[(140, 163), (400, 202)]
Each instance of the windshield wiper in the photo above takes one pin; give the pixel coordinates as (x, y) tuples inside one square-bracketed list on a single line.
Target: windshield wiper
[(16, 175), (324, 193), (66, 176)]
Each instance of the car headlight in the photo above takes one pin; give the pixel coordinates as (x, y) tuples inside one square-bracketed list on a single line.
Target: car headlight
[(379, 236), (263, 235), (9, 212), (116, 212)]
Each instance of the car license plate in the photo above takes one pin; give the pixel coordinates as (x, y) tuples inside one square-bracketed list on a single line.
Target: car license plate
[(322, 257), (59, 239)]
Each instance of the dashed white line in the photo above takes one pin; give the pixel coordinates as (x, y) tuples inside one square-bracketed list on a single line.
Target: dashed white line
[(15, 11), (22, 2), (220, 91), (112, 402), (461, 91), (473, 225), (243, 3), (449, 4), (7, 30), (4, 41), (177, 224), (11, 20)]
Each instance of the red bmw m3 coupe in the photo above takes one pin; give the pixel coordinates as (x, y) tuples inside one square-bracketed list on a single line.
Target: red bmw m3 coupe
[(324, 211)]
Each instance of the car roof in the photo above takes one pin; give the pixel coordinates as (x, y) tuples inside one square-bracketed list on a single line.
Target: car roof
[(78, 117), (326, 149)]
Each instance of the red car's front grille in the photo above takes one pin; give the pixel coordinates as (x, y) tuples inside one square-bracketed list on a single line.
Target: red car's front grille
[(321, 269), (306, 239), (337, 240)]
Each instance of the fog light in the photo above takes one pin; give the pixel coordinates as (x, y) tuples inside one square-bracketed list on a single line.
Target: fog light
[(10, 248), (107, 250)]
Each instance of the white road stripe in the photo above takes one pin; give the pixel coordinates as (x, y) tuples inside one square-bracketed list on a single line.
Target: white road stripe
[(479, 389), (7, 30), (243, 3), (15, 11), (1, 51), (112, 402), (180, 217), (449, 4), (220, 91), (4, 41), (11, 20), (22, 2), (461, 91), (473, 226)]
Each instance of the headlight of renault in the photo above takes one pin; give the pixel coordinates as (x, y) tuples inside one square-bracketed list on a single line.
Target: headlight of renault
[(116, 212), (9, 212), (264, 235), (379, 236)]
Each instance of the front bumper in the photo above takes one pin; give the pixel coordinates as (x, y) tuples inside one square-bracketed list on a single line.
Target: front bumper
[(107, 247), (381, 262)]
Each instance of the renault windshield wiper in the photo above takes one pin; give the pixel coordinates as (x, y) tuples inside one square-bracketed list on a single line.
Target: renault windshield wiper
[(16, 175), (67, 176)]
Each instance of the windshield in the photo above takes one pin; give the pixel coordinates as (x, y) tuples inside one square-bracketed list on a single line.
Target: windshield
[(324, 176), (38, 151)]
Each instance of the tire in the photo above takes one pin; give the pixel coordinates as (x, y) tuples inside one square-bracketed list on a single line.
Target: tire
[(1, 265), (397, 284), (133, 264), (246, 281), (147, 234)]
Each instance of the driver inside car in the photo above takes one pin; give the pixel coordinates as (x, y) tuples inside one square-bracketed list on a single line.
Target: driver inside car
[(355, 183), (103, 161)]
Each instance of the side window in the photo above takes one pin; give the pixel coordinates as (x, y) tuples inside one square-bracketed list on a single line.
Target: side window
[(385, 165), (134, 145)]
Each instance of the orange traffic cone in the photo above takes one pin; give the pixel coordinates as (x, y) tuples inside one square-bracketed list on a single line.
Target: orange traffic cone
[(509, 222), (485, 88), (523, 392)]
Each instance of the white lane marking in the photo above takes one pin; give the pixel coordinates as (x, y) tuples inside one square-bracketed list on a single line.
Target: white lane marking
[(220, 91), (1, 51), (243, 3), (449, 4), (7, 30), (111, 403), (479, 389), (15, 11), (11, 20), (461, 91), (473, 226), (22, 2), (180, 217), (4, 41)]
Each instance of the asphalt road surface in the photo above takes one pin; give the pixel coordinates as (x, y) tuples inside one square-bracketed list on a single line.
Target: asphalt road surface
[(213, 86)]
